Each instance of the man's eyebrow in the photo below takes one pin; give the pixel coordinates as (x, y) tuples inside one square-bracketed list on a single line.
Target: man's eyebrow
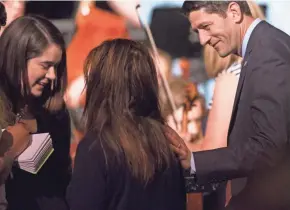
[(202, 25)]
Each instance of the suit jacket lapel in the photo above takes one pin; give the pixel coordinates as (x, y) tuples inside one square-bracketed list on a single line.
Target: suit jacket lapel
[(238, 93), (240, 83), (258, 31)]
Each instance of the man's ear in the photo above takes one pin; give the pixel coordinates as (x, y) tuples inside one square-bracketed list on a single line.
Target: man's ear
[(234, 12)]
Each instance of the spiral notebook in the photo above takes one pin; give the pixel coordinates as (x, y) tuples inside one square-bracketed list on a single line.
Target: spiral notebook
[(36, 154)]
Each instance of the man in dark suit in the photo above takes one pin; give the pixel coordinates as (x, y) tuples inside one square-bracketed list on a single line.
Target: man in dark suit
[(259, 132)]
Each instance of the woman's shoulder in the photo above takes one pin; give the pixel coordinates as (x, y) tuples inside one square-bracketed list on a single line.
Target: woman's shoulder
[(90, 150), (88, 139), (91, 143), (96, 147)]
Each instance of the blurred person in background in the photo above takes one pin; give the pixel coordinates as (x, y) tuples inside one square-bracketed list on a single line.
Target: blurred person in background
[(33, 74), (14, 9), (188, 117), (195, 114), (96, 22), (124, 160), (3, 16)]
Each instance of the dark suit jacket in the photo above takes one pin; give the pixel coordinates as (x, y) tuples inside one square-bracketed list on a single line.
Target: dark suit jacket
[(96, 185), (258, 139)]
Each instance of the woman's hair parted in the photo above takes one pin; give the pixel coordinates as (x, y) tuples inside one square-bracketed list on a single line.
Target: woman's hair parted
[(25, 38), (122, 106)]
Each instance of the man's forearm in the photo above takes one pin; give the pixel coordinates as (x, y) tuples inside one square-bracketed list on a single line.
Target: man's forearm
[(191, 185)]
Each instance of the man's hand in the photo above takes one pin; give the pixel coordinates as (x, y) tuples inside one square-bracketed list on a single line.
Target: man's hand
[(179, 147)]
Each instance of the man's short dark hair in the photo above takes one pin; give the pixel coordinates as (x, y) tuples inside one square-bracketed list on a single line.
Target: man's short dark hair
[(218, 7), (3, 15)]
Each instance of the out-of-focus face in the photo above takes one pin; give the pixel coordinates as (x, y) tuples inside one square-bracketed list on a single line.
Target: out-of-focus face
[(196, 112), (42, 69), (75, 93), (193, 117), (222, 33), (162, 67), (14, 9)]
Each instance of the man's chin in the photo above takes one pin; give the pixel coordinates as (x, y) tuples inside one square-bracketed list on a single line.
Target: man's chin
[(223, 54)]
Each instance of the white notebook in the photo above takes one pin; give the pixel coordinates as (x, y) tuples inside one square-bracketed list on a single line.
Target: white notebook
[(36, 154)]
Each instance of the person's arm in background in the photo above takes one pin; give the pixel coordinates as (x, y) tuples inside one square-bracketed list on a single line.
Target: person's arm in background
[(14, 9), (127, 10), (221, 111), (14, 140)]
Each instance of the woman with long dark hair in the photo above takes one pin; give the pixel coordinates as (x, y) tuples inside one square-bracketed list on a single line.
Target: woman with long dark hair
[(33, 74), (124, 160)]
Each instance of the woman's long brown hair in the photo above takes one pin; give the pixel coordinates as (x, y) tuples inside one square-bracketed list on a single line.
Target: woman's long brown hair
[(122, 107), (25, 38), (2, 113)]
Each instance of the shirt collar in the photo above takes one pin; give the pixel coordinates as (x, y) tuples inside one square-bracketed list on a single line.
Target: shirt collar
[(248, 34)]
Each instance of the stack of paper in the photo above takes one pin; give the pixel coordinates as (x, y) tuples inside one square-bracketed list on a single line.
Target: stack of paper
[(36, 154)]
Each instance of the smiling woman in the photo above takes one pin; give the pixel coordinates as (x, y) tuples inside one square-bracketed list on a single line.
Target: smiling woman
[(33, 61), (42, 70), (33, 75)]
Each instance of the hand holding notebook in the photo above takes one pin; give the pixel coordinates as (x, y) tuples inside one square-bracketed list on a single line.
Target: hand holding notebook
[(36, 154), (14, 140), (30, 151)]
